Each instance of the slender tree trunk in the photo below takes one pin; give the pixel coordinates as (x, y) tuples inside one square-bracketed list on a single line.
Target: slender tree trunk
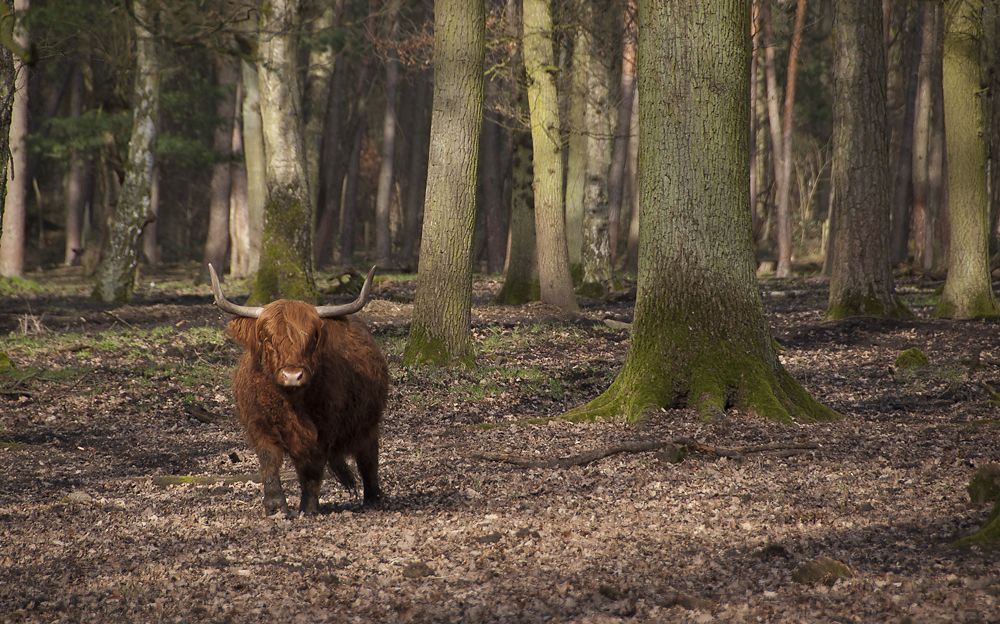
[(332, 182), (150, 242), (285, 270), (417, 184), (923, 227), (348, 209), (318, 76), (116, 273), (699, 335), (967, 290), (784, 268), (576, 157), (773, 96), (598, 274), (239, 205), (253, 157), (75, 179), (442, 308), (755, 38), (903, 171), (937, 165), (619, 150), (217, 241), (550, 228), (492, 175), (632, 188), (15, 202), (383, 226), (861, 281)]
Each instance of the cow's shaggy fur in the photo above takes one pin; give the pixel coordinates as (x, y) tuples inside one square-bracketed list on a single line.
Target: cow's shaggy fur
[(313, 389)]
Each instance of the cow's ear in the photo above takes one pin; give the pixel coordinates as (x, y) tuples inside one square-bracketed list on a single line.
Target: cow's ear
[(244, 332)]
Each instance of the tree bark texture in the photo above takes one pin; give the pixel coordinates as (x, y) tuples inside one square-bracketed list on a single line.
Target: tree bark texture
[(15, 201), (699, 335), (442, 308), (521, 282), (554, 275), (921, 132), (576, 152), (493, 169), (903, 84), (217, 241), (861, 282), (784, 266), (285, 270), (75, 178), (116, 273), (619, 149), (417, 174), (253, 158), (967, 290), (239, 205), (318, 76)]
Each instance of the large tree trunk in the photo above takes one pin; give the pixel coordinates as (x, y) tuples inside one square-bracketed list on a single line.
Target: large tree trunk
[(699, 335), (285, 270), (521, 282), (15, 202), (442, 308), (119, 259), (861, 282), (967, 290), (217, 241), (383, 199), (554, 275)]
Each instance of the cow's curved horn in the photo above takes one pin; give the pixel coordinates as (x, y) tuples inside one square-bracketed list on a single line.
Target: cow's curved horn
[(226, 305), (330, 311)]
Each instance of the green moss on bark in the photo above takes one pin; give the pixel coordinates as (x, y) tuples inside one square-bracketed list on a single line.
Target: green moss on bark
[(422, 350), (983, 305), (285, 260), (517, 292), (866, 305), (984, 487)]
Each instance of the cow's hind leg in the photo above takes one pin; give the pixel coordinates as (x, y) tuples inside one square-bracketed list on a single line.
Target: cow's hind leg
[(342, 472), (270, 465), (367, 459)]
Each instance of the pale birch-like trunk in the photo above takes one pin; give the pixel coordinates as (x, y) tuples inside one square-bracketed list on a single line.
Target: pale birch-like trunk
[(285, 270), (217, 240), (119, 259), (253, 158), (239, 204), (15, 202), (555, 280)]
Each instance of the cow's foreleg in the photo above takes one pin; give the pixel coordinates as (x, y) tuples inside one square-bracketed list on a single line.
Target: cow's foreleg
[(310, 480), (270, 467)]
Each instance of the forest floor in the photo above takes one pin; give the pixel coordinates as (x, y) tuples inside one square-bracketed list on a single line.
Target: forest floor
[(127, 491)]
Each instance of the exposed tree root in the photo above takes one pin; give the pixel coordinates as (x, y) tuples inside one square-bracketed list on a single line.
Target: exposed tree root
[(680, 447)]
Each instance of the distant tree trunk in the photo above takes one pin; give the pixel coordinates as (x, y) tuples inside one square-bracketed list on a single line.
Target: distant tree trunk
[(253, 157), (784, 268), (598, 274), (285, 270), (383, 200), (550, 228), (991, 45), (492, 175), (217, 241), (773, 97), (332, 182), (15, 202), (76, 179), (239, 208), (967, 290), (116, 273), (902, 193), (699, 337), (923, 228), (150, 242), (417, 175), (348, 209), (755, 38), (632, 186), (861, 281), (521, 282), (442, 308), (937, 165), (619, 150), (317, 92)]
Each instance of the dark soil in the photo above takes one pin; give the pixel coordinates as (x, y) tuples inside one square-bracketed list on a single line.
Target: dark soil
[(127, 494)]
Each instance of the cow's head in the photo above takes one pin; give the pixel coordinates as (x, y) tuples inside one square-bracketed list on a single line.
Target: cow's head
[(284, 336)]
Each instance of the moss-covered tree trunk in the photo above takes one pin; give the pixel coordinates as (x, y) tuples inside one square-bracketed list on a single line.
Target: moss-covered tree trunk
[(699, 336), (967, 290), (554, 275), (442, 308), (116, 273), (285, 270), (861, 282)]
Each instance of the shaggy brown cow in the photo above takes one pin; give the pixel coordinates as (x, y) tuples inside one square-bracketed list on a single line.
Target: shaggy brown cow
[(311, 384)]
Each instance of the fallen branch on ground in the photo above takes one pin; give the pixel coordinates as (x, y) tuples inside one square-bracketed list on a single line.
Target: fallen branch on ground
[(680, 448)]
